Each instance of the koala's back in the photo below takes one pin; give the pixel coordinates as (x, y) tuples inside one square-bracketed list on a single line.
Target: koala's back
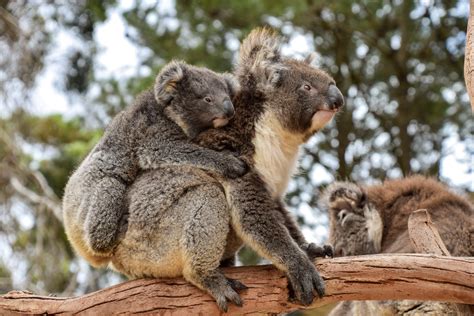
[(451, 213)]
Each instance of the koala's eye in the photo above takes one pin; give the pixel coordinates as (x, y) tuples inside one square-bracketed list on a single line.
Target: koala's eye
[(307, 87), (208, 99)]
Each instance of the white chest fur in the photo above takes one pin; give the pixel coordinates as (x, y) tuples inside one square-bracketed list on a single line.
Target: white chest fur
[(276, 153)]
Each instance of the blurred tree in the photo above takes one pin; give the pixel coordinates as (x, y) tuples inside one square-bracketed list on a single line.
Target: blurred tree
[(35, 253), (398, 62)]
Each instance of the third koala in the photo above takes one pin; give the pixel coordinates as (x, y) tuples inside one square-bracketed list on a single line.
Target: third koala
[(157, 129), (374, 219)]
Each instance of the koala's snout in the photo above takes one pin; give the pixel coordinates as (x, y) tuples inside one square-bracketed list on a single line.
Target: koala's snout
[(228, 107), (335, 98), (226, 114)]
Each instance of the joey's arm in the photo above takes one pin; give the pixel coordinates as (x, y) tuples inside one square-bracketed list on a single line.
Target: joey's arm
[(179, 150), (219, 140)]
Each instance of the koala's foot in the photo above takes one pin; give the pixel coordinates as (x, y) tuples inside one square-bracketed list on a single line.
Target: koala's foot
[(314, 251), (221, 288), (345, 196), (303, 280)]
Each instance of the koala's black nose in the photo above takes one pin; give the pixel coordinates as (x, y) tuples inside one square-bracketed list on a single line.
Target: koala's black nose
[(228, 108), (335, 98)]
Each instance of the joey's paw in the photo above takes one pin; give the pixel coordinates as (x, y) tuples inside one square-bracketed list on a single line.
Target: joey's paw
[(305, 281), (345, 196), (314, 251), (235, 167)]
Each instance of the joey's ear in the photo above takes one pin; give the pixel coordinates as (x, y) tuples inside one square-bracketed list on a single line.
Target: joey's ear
[(260, 57), (167, 79), (232, 84)]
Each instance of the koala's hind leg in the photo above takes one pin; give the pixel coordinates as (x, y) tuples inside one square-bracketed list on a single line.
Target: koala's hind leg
[(204, 244), (104, 215)]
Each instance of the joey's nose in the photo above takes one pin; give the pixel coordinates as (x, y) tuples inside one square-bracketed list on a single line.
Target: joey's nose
[(335, 98), (228, 108)]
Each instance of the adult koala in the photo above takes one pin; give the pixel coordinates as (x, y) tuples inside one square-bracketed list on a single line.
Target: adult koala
[(184, 221)]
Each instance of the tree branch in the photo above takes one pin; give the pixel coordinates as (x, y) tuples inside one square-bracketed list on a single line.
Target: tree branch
[(35, 198), (469, 56), (423, 234), (375, 277)]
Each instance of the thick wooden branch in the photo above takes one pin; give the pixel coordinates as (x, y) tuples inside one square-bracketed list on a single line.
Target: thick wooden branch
[(375, 277)]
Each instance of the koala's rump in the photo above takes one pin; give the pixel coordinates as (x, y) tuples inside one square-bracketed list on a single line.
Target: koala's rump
[(160, 209)]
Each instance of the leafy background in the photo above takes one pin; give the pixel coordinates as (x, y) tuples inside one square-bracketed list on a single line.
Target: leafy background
[(68, 67)]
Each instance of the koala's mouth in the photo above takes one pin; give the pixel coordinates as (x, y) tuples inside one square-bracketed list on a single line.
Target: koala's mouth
[(219, 122), (321, 118)]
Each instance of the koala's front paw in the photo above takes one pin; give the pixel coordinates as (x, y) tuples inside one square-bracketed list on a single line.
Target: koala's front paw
[(304, 280), (314, 251), (235, 167), (345, 196)]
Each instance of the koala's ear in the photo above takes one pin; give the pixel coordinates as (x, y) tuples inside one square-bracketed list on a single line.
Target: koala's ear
[(260, 57), (311, 58), (167, 79), (232, 84)]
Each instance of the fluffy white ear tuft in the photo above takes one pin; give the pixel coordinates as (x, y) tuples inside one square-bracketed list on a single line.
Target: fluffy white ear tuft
[(260, 58), (311, 59)]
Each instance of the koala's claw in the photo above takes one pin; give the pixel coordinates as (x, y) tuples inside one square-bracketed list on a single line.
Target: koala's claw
[(303, 282), (314, 251), (225, 290), (228, 294), (344, 195), (236, 285), (328, 251)]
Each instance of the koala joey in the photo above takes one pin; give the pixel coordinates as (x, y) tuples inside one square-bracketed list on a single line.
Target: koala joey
[(157, 129), (195, 222), (369, 220)]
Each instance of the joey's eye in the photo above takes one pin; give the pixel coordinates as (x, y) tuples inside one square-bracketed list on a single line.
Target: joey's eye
[(207, 99), (307, 87)]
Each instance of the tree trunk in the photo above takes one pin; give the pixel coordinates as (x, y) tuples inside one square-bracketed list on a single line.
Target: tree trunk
[(469, 55), (375, 277)]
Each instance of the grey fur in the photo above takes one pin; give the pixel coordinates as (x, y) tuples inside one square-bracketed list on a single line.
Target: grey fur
[(183, 221), (155, 130)]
